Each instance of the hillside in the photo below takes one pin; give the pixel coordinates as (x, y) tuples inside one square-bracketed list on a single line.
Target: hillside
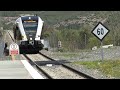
[(71, 26), (63, 18)]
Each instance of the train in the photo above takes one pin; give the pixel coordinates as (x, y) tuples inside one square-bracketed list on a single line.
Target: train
[(27, 31)]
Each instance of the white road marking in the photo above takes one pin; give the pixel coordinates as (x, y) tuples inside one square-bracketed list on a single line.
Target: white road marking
[(31, 70)]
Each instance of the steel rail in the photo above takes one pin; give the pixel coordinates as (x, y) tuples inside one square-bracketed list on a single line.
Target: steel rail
[(33, 63)]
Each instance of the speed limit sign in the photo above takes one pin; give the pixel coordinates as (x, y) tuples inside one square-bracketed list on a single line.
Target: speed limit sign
[(100, 31)]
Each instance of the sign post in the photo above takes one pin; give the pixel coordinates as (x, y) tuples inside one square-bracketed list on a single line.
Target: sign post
[(101, 51), (13, 50), (59, 45), (100, 31)]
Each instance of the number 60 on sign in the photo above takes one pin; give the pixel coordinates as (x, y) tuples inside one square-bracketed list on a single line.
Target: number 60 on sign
[(100, 31)]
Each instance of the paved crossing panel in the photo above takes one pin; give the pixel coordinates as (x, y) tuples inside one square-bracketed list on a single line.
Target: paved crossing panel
[(16, 70)]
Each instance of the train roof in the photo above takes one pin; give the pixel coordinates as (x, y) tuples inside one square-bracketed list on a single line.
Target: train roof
[(27, 17)]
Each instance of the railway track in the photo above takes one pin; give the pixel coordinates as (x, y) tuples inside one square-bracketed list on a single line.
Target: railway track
[(56, 70), (37, 66), (70, 68)]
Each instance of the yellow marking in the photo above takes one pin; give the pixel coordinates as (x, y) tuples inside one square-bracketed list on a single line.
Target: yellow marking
[(29, 21)]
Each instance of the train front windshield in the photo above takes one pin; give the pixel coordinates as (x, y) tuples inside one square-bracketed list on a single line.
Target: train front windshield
[(30, 26)]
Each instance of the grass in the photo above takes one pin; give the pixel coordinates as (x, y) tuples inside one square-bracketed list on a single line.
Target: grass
[(66, 55), (71, 54), (109, 68)]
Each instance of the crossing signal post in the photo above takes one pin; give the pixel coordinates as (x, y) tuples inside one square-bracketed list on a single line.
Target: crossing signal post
[(100, 31), (59, 45)]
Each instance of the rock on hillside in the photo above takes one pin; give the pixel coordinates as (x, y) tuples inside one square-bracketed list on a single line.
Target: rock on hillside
[(90, 20)]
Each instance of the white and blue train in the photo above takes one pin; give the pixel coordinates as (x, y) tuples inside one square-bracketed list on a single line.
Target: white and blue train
[(27, 33)]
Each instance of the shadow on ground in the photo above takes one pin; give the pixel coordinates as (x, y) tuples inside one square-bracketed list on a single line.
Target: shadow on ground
[(43, 63)]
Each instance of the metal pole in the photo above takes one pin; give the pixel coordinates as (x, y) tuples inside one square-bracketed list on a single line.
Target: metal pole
[(101, 50), (85, 40), (53, 42)]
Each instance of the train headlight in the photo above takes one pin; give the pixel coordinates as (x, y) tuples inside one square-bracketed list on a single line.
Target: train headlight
[(30, 38)]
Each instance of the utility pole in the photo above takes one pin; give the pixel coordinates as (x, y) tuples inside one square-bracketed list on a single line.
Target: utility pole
[(85, 40)]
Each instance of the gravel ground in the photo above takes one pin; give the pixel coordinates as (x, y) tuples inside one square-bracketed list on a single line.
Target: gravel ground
[(59, 72), (108, 54), (37, 57)]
